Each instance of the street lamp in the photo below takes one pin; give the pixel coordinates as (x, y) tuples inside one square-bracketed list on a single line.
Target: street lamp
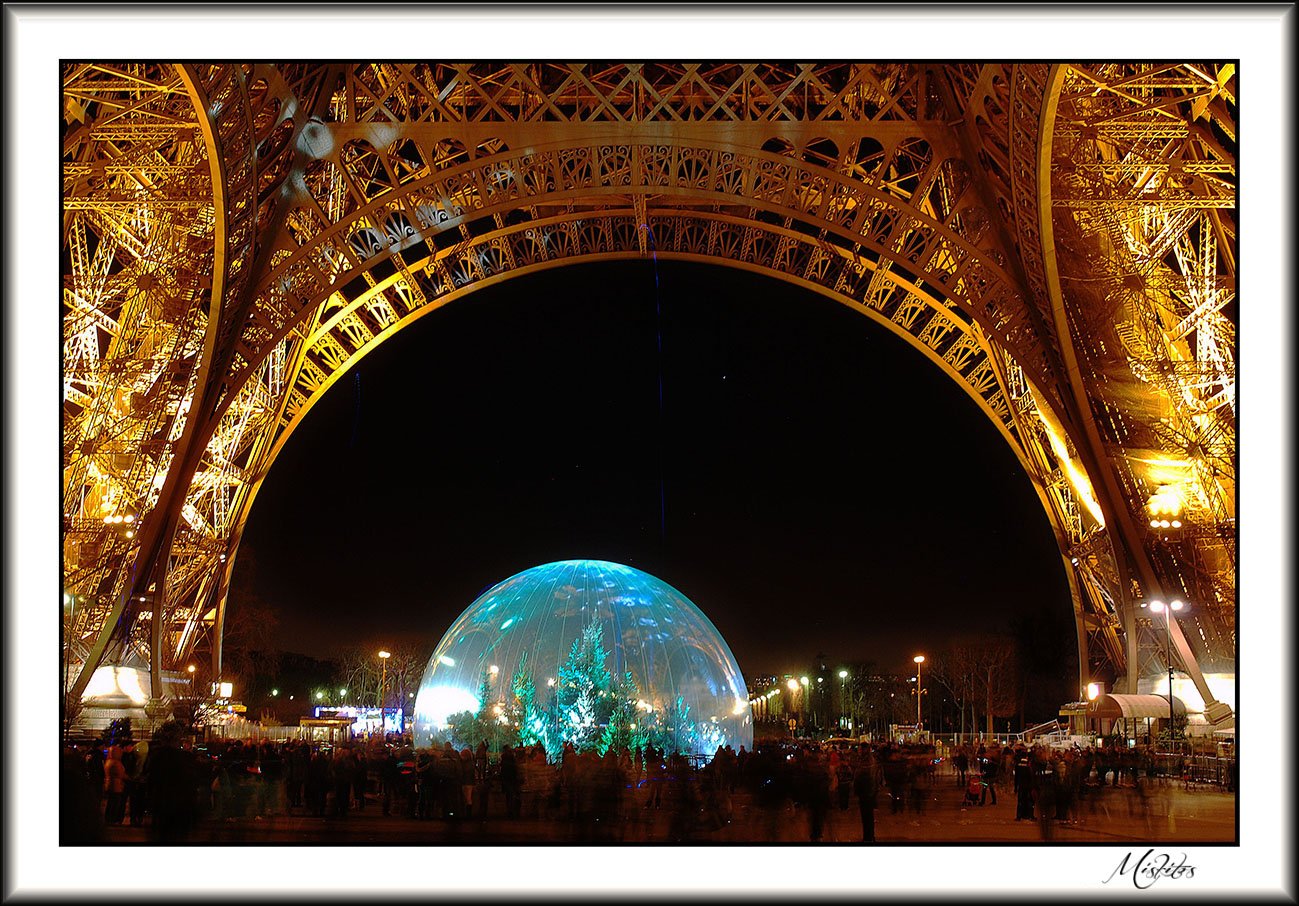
[(383, 687), (802, 711), (1168, 609), (843, 697), (919, 659)]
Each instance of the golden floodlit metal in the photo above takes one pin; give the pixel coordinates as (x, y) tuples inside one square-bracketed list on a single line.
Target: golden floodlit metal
[(1058, 239)]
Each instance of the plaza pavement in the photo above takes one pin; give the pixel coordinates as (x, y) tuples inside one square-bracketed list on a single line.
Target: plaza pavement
[(1116, 816)]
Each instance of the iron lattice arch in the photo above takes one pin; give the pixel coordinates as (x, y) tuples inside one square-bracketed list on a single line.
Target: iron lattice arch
[(237, 237)]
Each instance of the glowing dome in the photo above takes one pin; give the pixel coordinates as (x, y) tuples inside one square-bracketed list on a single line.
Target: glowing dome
[(588, 652)]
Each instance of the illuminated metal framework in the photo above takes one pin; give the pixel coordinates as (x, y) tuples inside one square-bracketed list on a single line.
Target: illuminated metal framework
[(237, 237)]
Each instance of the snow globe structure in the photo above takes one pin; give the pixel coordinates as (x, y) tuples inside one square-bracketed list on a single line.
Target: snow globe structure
[(587, 653)]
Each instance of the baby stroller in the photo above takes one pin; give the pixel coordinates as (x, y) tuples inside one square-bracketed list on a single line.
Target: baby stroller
[(972, 790)]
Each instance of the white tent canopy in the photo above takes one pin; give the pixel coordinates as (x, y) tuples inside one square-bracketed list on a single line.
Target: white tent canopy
[(1134, 706)]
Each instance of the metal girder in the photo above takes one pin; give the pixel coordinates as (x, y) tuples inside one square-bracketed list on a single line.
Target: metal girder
[(352, 200), (1139, 183)]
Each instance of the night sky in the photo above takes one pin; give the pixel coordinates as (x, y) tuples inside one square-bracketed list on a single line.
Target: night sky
[(827, 489)]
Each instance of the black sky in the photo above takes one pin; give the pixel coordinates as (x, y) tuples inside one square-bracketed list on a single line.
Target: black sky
[(827, 489)]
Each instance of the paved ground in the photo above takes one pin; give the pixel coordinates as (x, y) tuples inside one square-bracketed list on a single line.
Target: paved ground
[(1170, 814)]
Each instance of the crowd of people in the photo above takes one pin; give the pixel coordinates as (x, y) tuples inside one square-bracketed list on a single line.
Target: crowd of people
[(786, 790)]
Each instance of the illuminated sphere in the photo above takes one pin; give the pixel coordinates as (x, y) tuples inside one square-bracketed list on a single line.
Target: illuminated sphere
[(651, 631)]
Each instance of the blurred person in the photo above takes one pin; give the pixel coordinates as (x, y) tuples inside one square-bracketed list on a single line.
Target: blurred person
[(387, 778), (468, 782), (1023, 777), (172, 781), (817, 795), (80, 820), (895, 777), (510, 782), (1045, 784), (136, 761), (319, 776), (114, 787), (990, 766), (865, 784), (343, 770)]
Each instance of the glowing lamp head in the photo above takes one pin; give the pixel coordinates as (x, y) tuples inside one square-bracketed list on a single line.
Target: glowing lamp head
[(803, 680), (1166, 501), (385, 654), (190, 668), (843, 674), (494, 669), (1157, 606), (1093, 690), (793, 685), (1176, 605), (919, 659)]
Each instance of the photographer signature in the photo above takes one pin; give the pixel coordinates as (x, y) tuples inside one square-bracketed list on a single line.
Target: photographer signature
[(1151, 867)]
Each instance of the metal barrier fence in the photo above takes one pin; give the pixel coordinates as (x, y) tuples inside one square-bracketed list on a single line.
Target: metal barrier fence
[(253, 732)]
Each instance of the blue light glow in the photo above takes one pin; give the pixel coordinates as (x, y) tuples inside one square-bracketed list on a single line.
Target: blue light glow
[(688, 669)]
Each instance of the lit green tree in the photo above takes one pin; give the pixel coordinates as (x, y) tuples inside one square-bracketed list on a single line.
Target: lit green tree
[(584, 685), (532, 719), (497, 729), (623, 729)]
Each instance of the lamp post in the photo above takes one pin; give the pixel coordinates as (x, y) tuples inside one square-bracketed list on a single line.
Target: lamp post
[(843, 699), (802, 711), (919, 659), (383, 687), (1168, 609), (793, 694)]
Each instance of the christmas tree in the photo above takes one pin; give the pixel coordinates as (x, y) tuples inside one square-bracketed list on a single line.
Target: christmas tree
[(584, 690)]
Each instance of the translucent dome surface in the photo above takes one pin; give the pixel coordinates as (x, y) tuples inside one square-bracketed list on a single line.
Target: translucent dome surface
[(578, 650)]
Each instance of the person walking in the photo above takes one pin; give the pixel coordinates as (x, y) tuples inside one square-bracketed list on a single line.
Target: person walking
[(387, 777), (135, 759), (990, 767), (510, 782), (1023, 786), (115, 786), (342, 782), (817, 787), (1045, 783), (865, 784)]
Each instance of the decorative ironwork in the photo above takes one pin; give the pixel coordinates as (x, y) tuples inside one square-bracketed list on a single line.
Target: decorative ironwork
[(239, 235)]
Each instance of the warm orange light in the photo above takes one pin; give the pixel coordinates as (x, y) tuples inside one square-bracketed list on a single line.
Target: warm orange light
[(919, 659), (385, 654), (190, 668), (1166, 501)]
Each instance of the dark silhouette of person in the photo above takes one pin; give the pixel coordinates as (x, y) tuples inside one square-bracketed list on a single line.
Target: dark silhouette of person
[(816, 784), (990, 766), (510, 782), (1023, 786), (865, 783), (80, 821), (173, 776)]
